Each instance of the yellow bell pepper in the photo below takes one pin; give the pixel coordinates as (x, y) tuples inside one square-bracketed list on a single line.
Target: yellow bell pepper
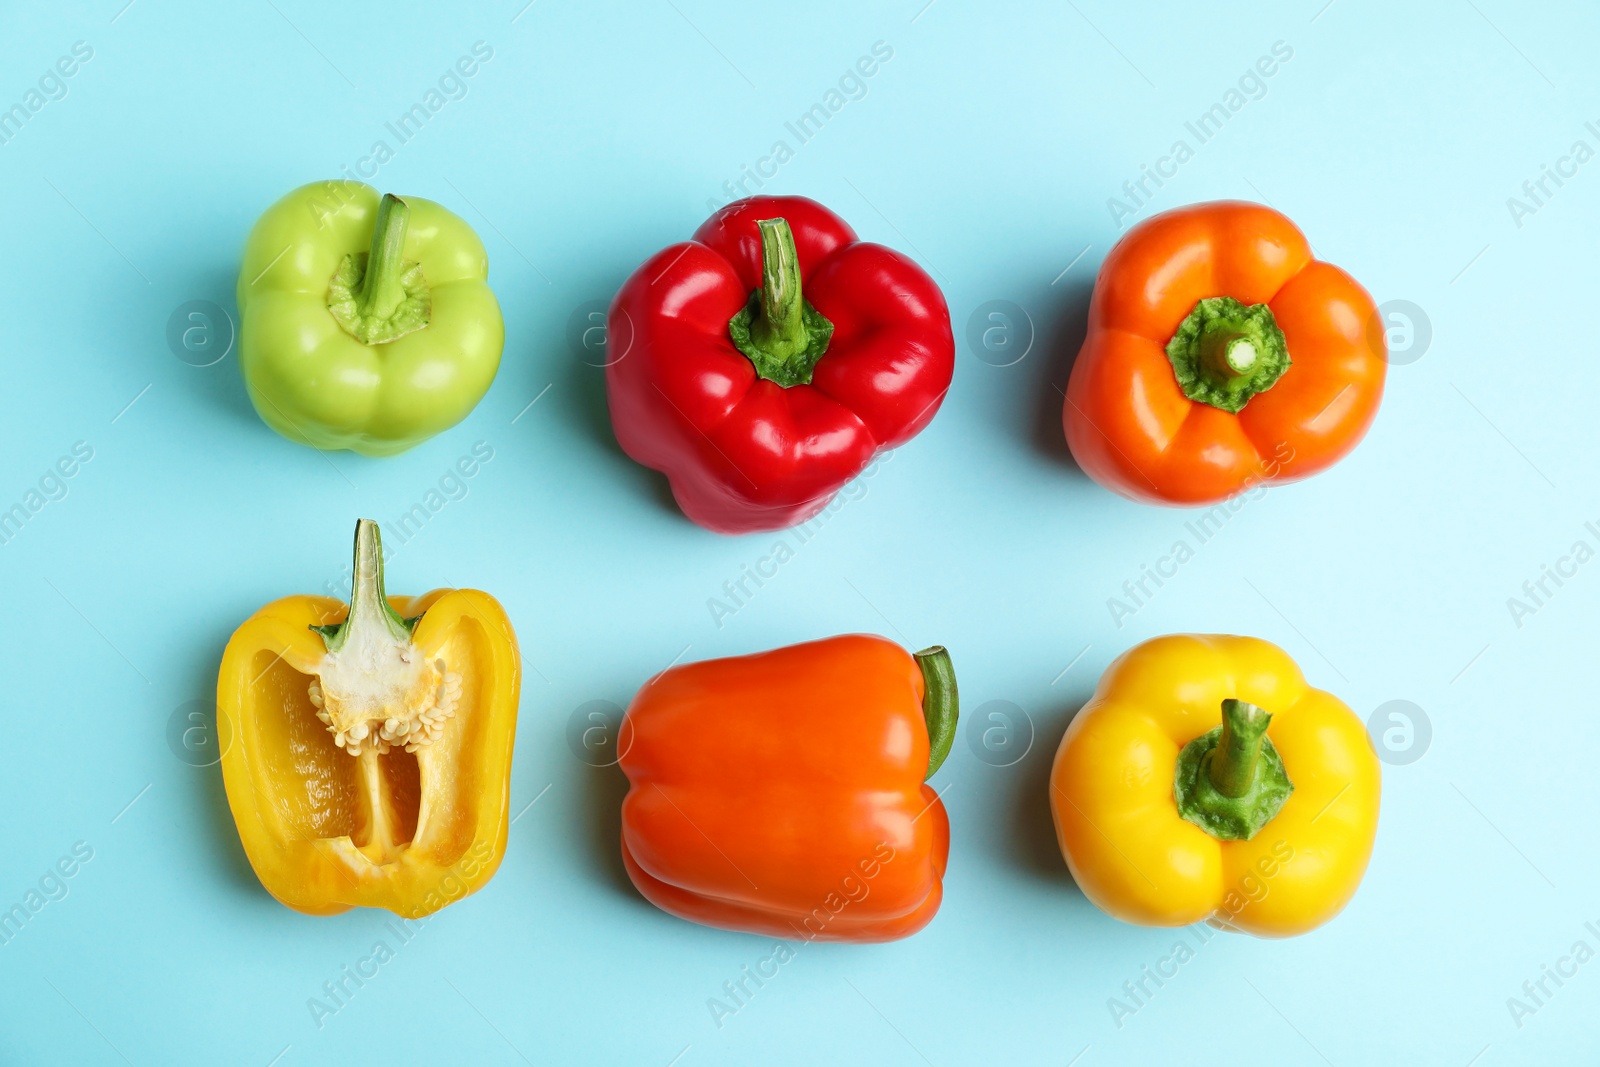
[(370, 757), (1205, 780)]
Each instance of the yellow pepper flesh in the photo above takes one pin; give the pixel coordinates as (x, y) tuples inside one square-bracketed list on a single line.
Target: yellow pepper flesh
[(1117, 818)]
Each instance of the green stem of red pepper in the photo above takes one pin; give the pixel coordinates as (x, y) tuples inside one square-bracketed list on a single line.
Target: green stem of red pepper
[(778, 330), (941, 704), (1230, 781)]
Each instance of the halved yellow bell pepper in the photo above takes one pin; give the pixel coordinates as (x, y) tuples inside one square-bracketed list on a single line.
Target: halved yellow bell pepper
[(370, 754), (1205, 780)]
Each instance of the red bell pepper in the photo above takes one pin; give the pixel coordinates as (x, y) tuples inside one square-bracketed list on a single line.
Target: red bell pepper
[(757, 402)]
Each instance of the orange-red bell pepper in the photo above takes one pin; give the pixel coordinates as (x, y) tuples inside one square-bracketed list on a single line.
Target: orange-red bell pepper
[(1220, 355), (783, 793)]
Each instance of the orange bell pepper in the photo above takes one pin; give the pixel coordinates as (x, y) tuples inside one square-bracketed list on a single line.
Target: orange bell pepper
[(783, 793), (1220, 355), (370, 757), (1263, 823)]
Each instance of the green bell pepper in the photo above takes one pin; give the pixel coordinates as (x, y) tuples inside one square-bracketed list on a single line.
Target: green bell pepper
[(367, 322)]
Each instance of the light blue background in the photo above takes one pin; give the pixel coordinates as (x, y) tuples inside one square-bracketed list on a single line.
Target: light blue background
[(987, 147)]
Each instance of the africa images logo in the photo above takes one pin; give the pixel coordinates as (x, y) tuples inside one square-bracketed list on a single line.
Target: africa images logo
[(52, 85), (1252, 85), (1137, 592), (853, 888)]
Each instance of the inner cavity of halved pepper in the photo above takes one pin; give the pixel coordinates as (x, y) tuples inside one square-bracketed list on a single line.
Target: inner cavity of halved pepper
[(379, 703), (385, 800)]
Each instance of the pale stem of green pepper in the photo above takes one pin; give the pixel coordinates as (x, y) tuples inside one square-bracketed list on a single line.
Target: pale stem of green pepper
[(381, 291)]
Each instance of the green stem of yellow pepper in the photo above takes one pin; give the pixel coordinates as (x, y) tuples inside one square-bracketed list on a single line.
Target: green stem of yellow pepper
[(1230, 781), (370, 610), (1232, 766)]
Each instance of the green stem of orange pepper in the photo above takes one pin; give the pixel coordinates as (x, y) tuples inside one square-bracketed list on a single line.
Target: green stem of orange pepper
[(1225, 352), (941, 703)]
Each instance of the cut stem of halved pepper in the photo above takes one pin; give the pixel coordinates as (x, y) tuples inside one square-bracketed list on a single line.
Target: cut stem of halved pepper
[(371, 753)]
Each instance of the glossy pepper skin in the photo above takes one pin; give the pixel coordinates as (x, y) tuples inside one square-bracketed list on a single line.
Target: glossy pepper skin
[(338, 354), (741, 451), (783, 793), (327, 830), (1134, 429), (1115, 794)]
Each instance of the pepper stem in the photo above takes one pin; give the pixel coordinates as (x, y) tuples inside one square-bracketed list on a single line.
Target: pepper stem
[(1232, 764), (379, 296), (369, 607), (1224, 352), (381, 291), (1230, 781), (1230, 356), (777, 329), (780, 328), (941, 703)]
